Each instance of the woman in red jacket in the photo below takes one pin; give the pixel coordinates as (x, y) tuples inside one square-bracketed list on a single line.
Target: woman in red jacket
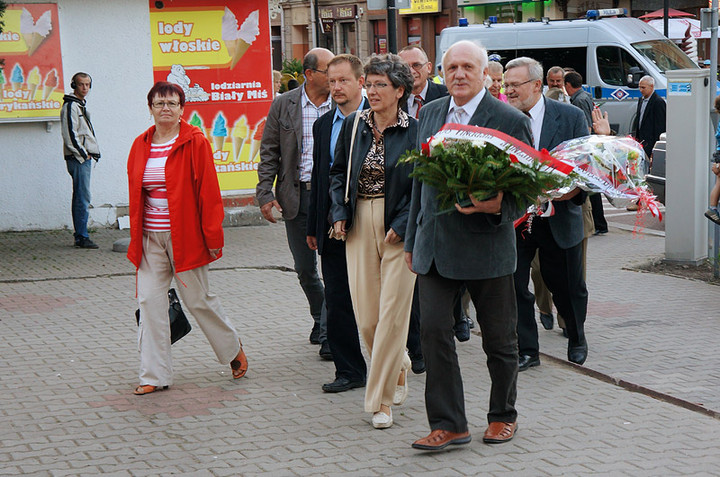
[(176, 215)]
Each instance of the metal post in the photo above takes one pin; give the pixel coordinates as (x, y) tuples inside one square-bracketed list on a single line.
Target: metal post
[(392, 26), (666, 26), (715, 230)]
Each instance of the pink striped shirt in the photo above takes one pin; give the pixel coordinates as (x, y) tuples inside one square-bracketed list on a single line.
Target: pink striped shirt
[(157, 215)]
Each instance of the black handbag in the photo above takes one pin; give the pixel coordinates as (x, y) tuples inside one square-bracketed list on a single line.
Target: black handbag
[(179, 324)]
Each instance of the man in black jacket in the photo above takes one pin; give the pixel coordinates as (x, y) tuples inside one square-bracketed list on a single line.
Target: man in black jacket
[(346, 82), (424, 90), (649, 121)]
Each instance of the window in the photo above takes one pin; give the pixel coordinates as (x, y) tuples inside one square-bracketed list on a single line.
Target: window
[(665, 55), (614, 65), (564, 57)]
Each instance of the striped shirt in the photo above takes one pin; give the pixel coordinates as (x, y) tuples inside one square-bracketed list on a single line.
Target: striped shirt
[(157, 215), (310, 113)]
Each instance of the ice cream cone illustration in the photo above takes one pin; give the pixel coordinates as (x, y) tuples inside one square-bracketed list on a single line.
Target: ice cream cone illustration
[(195, 120), (33, 81), (16, 78), (257, 137), (219, 132), (50, 83), (239, 135), (237, 41), (34, 33)]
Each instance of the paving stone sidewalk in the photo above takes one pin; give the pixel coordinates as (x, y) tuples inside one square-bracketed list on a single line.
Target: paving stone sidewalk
[(68, 363)]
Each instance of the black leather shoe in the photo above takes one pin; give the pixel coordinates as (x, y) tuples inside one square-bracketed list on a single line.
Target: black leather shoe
[(526, 361), (471, 323), (577, 354), (342, 384), (462, 330), (85, 242), (325, 352), (315, 334), (547, 320), (418, 365)]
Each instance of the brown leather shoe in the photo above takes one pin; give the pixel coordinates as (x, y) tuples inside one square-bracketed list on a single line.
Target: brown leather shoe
[(440, 439), (499, 432)]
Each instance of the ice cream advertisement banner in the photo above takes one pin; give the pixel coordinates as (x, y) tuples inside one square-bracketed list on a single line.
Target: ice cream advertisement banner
[(31, 77), (219, 53)]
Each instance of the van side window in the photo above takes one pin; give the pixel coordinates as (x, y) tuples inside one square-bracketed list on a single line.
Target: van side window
[(566, 57), (614, 64)]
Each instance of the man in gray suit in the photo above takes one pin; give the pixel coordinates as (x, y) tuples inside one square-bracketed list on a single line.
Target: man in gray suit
[(286, 154), (475, 246), (557, 238)]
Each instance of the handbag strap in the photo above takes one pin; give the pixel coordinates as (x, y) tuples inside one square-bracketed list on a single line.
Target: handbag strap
[(349, 167)]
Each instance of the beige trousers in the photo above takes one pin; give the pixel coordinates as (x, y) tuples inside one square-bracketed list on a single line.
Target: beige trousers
[(381, 287), (153, 281)]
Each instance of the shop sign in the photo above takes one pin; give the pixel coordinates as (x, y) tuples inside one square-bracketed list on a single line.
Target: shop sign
[(31, 80), (422, 6), (221, 57)]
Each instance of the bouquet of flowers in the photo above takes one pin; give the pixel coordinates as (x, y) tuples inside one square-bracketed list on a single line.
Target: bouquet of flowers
[(461, 161)]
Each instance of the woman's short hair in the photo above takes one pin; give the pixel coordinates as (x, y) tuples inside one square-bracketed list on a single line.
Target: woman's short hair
[(163, 88), (397, 71), (554, 93), (277, 76)]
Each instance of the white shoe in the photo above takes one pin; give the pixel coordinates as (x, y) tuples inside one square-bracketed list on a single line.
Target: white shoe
[(401, 392), (380, 420)]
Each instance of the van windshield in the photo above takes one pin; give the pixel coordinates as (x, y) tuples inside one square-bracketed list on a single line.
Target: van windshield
[(665, 55)]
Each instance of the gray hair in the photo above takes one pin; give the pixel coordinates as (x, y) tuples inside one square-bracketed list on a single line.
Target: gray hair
[(482, 55), (397, 71), (535, 69), (647, 79), (495, 67), (554, 70)]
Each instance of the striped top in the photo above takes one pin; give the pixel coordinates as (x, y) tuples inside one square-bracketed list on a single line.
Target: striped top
[(157, 215)]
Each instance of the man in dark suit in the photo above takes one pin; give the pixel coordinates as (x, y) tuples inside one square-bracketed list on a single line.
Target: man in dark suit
[(557, 238), (346, 83), (475, 246), (286, 155), (649, 121), (424, 90)]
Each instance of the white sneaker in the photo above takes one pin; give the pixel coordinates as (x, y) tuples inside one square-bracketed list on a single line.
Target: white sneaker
[(380, 420), (401, 392)]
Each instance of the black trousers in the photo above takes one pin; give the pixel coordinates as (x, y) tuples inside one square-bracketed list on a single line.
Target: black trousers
[(598, 213), (562, 272), (414, 344), (342, 332), (497, 317)]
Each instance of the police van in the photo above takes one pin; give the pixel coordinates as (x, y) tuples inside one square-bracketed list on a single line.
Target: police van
[(611, 54)]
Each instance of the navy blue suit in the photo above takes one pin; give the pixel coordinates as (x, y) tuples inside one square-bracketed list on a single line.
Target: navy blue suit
[(559, 240), (342, 332)]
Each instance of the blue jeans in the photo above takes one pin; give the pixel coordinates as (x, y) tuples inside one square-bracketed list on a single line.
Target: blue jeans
[(80, 174)]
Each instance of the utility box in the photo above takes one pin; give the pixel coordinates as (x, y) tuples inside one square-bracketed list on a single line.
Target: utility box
[(687, 165)]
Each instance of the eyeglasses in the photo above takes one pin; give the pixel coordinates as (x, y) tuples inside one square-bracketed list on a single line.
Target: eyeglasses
[(162, 104), (377, 86), (508, 86), (418, 66), (319, 71)]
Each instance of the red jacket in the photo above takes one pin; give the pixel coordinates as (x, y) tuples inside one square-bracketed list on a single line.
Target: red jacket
[(196, 208)]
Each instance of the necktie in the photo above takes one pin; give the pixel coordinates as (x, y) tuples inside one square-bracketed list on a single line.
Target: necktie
[(418, 105), (459, 116), (532, 136)]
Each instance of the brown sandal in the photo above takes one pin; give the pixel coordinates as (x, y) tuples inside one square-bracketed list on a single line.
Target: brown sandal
[(147, 389), (239, 365)]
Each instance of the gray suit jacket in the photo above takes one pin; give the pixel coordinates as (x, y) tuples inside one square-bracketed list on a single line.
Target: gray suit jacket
[(280, 151), (562, 122), (464, 247)]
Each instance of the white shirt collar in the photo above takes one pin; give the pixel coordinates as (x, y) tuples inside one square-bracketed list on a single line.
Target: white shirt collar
[(468, 107), (537, 113)]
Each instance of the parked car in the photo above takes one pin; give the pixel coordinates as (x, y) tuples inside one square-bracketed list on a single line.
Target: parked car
[(656, 176)]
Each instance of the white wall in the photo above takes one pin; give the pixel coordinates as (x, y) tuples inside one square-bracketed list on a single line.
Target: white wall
[(109, 39)]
